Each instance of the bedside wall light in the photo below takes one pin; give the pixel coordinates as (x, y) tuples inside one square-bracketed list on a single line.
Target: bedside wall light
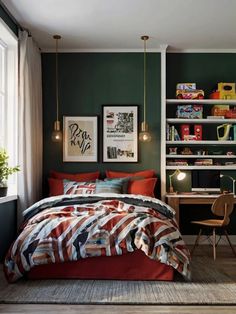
[(57, 134), (233, 181), (179, 175)]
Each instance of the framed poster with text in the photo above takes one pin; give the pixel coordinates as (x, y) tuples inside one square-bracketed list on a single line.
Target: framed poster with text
[(80, 139), (120, 133)]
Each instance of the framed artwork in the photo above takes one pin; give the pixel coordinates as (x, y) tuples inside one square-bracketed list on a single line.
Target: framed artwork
[(120, 133), (80, 139)]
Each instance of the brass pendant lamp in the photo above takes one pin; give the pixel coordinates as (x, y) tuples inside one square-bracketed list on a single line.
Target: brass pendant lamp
[(144, 135), (57, 134)]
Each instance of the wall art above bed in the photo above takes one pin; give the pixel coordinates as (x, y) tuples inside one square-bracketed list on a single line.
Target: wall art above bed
[(120, 133), (80, 139)]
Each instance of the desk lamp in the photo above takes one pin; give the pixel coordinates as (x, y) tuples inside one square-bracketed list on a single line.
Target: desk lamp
[(179, 175), (233, 181)]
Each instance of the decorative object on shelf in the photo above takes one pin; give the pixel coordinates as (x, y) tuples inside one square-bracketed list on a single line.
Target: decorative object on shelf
[(223, 131), (230, 153), (186, 151), (190, 137), (120, 133), (144, 135), (201, 152), (230, 114), (189, 111), (219, 110), (198, 131), (179, 175), (224, 91), (186, 86), (184, 130), (57, 134), (80, 139), (5, 171), (232, 179), (188, 91), (173, 150), (185, 94)]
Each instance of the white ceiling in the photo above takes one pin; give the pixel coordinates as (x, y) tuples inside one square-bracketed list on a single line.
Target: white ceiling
[(118, 24)]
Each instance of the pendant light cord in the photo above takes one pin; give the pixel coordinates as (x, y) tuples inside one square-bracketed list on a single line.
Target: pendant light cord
[(57, 37), (57, 99), (144, 82)]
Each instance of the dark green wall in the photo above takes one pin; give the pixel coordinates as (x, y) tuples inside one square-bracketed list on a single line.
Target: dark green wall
[(205, 69), (86, 82), (8, 20), (7, 226)]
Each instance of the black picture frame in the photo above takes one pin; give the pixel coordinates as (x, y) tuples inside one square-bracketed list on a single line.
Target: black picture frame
[(120, 133)]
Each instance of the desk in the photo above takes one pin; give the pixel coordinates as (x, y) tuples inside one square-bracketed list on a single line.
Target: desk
[(174, 200)]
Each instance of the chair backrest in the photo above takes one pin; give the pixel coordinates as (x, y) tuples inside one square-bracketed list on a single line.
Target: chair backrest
[(223, 206)]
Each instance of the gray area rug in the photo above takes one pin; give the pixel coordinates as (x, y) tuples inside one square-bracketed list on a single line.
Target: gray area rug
[(208, 286)]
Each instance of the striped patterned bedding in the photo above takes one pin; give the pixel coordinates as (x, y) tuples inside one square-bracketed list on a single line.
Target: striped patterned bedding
[(70, 227)]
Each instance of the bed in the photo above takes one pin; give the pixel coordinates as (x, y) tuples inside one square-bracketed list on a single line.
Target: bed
[(98, 236)]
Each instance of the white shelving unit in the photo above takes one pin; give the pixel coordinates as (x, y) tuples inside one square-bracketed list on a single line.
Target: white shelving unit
[(202, 121), (201, 101), (201, 156), (168, 104), (222, 167), (186, 143)]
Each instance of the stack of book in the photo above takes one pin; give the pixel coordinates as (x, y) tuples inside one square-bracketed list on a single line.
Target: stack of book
[(171, 133), (177, 162), (203, 162)]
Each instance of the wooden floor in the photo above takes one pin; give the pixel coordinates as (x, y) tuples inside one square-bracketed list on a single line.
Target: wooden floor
[(225, 262)]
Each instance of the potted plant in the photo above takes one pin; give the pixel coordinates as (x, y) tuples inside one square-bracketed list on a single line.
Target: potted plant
[(5, 171)]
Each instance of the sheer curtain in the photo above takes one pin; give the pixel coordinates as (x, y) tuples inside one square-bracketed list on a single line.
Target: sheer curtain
[(30, 122)]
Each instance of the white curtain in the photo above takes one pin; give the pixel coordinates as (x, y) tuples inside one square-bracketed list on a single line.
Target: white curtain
[(30, 122)]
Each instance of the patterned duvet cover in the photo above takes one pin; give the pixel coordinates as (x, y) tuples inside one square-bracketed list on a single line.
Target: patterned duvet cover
[(71, 227)]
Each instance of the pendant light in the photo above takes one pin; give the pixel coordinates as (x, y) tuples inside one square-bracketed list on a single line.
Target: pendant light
[(144, 135), (57, 134)]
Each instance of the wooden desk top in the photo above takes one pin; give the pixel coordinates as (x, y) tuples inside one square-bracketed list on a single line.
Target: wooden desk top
[(194, 195)]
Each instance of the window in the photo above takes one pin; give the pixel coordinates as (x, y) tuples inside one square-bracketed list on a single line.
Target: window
[(8, 97)]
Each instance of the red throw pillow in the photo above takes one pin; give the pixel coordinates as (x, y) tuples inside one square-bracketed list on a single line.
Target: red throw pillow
[(79, 177), (144, 174), (144, 187), (55, 187)]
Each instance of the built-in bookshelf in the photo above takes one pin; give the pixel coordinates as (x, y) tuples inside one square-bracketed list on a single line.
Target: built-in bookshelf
[(217, 154)]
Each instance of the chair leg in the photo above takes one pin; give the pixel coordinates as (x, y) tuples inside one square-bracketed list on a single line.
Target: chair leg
[(196, 242), (214, 243), (231, 245)]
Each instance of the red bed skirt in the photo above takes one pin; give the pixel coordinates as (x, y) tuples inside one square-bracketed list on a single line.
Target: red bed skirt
[(131, 266)]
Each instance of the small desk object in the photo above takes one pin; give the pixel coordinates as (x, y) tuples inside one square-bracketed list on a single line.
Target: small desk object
[(174, 200)]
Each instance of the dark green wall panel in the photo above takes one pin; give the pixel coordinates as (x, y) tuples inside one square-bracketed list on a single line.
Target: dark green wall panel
[(8, 226), (86, 82), (205, 69)]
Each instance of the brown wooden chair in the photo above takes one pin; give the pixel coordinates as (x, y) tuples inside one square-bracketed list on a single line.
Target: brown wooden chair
[(223, 207)]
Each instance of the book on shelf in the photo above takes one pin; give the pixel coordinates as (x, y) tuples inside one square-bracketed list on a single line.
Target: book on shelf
[(177, 163), (215, 117), (172, 133), (203, 162), (167, 132)]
